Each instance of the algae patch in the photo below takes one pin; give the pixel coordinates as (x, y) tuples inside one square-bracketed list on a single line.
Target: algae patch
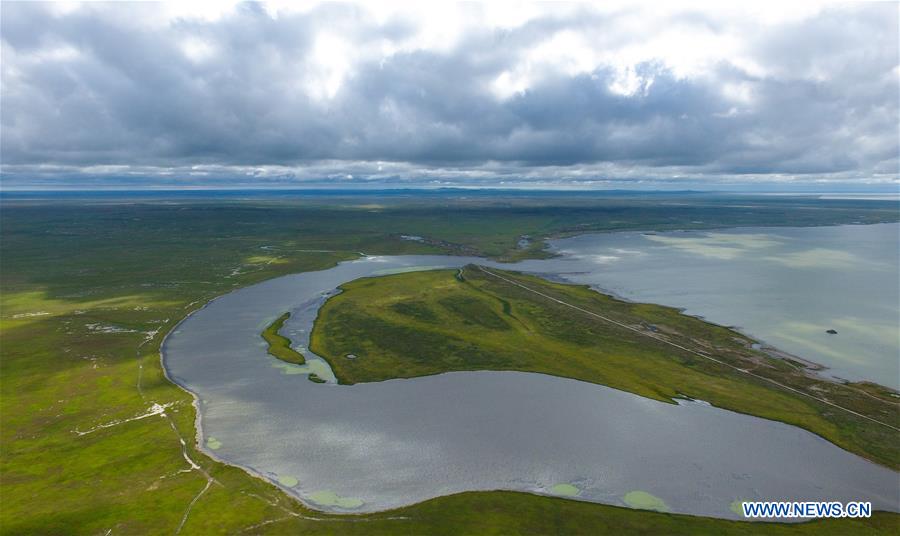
[(737, 507), (565, 490), (287, 481), (645, 501), (317, 369)]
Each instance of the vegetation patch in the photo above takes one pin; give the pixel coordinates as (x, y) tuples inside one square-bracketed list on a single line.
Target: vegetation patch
[(565, 490), (644, 501), (473, 310), (737, 507), (279, 345), (413, 309)]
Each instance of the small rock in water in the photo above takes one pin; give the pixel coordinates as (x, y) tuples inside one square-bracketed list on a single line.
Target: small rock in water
[(351, 356), (831, 332)]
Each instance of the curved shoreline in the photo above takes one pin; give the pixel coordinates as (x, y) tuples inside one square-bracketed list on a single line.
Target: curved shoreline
[(198, 422), (195, 399), (312, 507), (315, 288)]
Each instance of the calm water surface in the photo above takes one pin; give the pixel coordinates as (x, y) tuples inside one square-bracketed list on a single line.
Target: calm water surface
[(786, 286), (377, 446)]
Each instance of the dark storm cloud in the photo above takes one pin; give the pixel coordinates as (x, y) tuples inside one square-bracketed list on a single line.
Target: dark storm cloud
[(118, 90)]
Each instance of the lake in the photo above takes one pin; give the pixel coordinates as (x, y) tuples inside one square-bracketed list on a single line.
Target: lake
[(376, 446), (785, 286)]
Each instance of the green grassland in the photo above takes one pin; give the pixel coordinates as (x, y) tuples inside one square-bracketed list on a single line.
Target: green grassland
[(89, 288), (279, 345), (421, 323)]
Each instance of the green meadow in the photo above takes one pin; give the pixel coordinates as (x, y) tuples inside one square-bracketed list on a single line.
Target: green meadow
[(96, 440)]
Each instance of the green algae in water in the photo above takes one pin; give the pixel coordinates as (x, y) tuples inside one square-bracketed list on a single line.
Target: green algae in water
[(330, 498), (645, 501), (566, 490), (289, 368), (287, 481), (321, 369), (213, 443), (315, 367), (737, 507)]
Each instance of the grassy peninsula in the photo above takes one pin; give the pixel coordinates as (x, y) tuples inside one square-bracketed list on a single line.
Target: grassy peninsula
[(421, 323), (279, 345)]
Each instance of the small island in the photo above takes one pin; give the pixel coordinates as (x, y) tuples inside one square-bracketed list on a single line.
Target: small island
[(279, 345)]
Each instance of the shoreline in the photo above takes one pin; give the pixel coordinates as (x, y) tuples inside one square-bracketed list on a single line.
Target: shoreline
[(198, 414), (198, 421), (814, 368)]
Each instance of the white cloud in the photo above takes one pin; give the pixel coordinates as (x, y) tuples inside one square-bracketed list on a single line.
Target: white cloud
[(331, 58), (197, 50), (523, 93)]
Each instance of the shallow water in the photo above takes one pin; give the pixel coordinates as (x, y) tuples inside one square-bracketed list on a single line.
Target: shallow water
[(376, 446), (785, 286)]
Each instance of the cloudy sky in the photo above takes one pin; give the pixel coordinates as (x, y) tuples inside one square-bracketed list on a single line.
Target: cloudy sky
[(764, 96)]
